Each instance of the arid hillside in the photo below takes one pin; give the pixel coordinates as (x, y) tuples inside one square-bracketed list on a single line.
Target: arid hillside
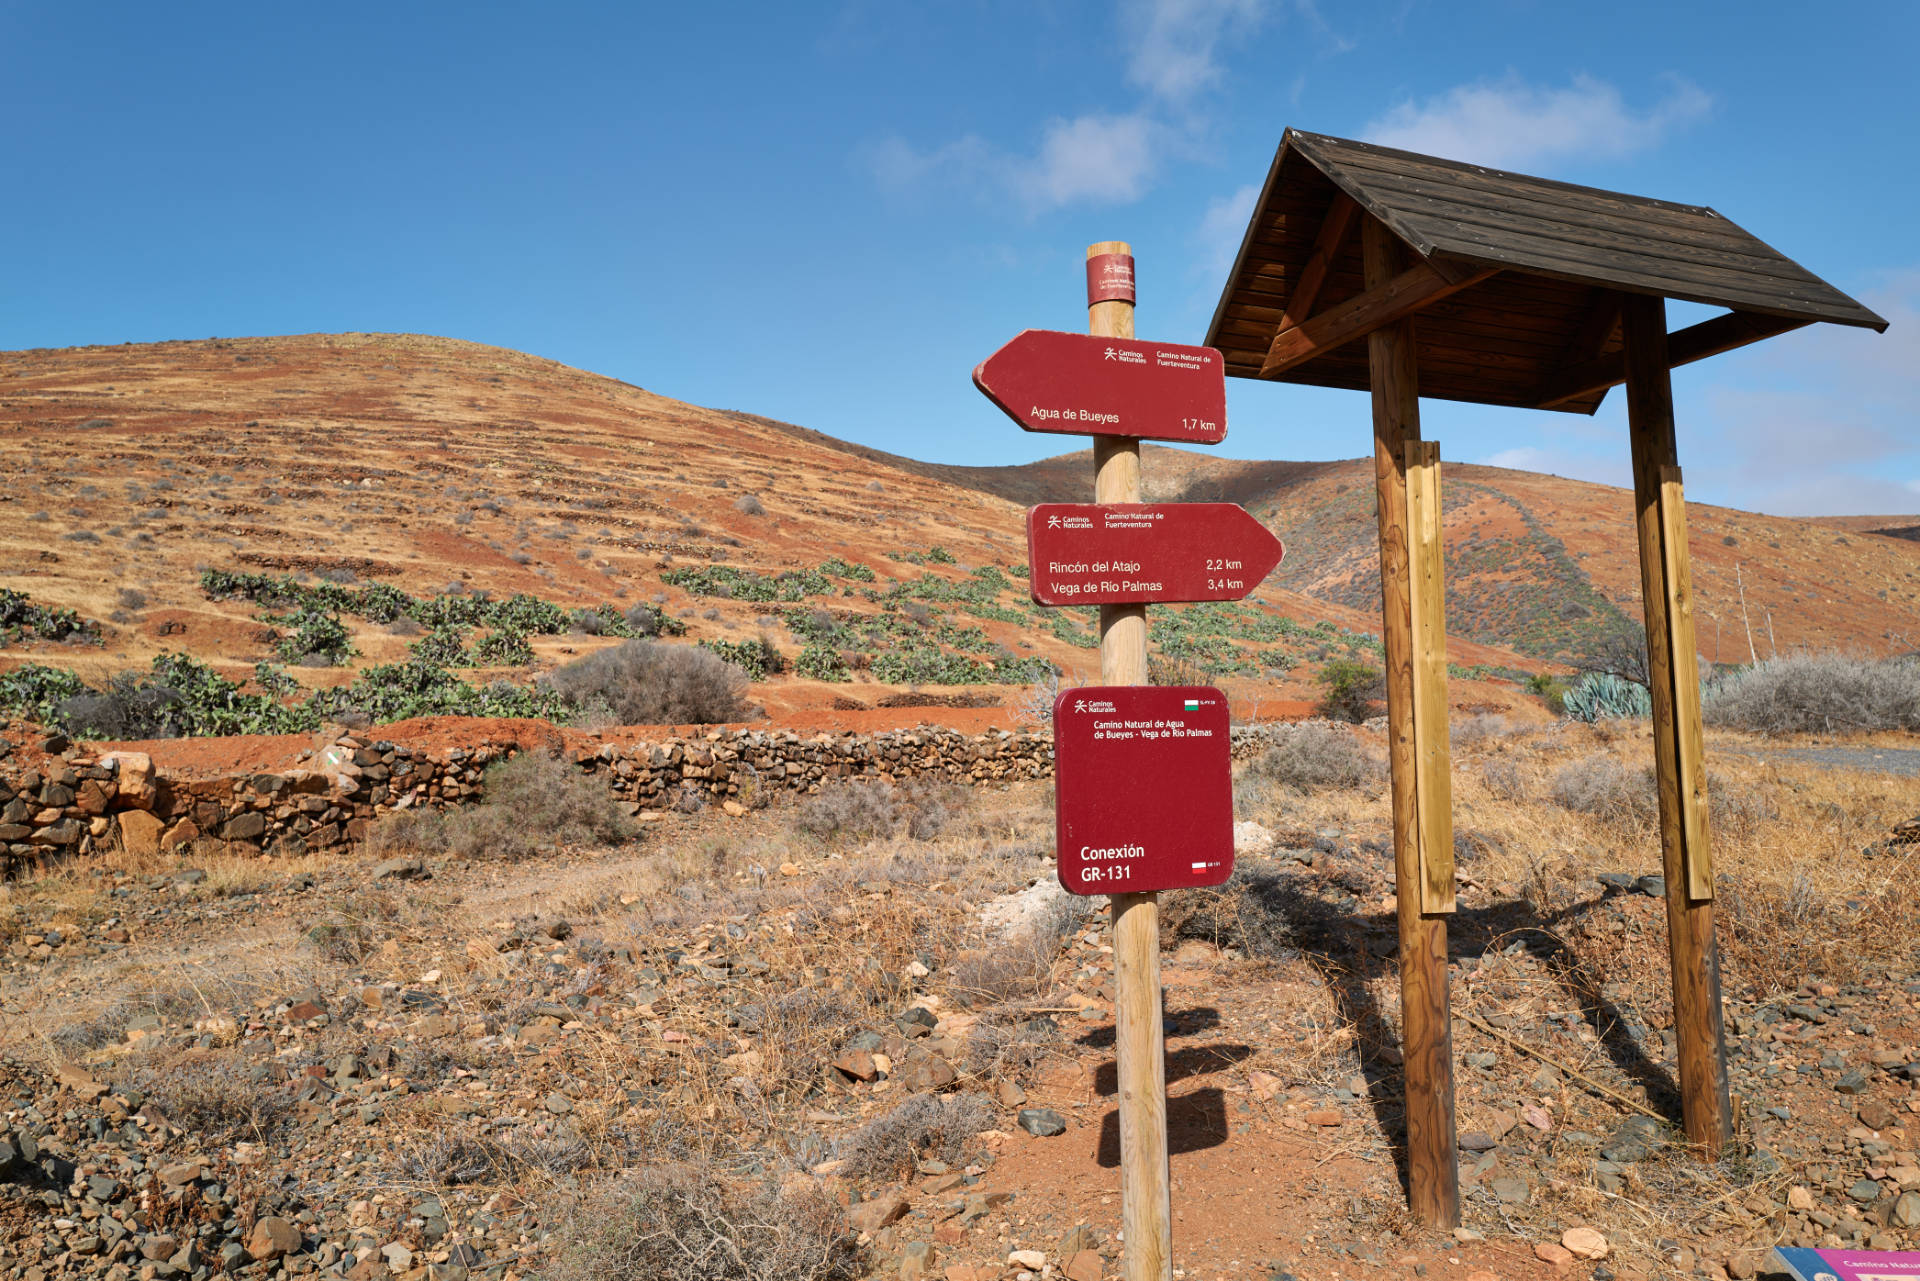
[(443, 468), (1545, 566)]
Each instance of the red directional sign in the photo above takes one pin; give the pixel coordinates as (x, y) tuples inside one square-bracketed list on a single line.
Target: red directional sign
[(1122, 553), (1046, 380), (1143, 787)]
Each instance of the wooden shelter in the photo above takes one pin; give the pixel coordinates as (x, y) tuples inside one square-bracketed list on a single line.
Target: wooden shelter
[(1407, 275)]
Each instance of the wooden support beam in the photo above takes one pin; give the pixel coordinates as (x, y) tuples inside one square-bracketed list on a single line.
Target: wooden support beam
[(1432, 758), (1326, 251), (1393, 299), (1695, 342), (1433, 1174), (1146, 1185), (1673, 680)]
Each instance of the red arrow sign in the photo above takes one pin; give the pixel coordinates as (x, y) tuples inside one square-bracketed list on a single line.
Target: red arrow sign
[(1123, 553), (1143, 788), (1051, 381)]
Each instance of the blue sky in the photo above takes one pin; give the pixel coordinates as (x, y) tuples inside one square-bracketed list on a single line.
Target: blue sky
[(828, 213)]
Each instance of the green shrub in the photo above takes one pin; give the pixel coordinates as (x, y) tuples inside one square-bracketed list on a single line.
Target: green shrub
[(442, 647), (1551, 689), (1601, 696), (20, 619), (822, 663), (504, 647), (757, 658), (649, 683), (837, 568), (318, 639), (1349, 689), (533, 803)]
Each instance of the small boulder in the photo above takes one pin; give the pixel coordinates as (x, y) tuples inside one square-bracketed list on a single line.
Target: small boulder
[(271, 1238), (1042, 1122)]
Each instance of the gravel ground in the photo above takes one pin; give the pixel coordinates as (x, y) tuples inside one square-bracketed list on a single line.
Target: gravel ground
[(1900, 761)]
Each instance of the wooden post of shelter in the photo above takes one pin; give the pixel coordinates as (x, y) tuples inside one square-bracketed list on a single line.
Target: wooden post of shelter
[(1673, 679), (1410, 591), (1146, 1197), (1532, 294)]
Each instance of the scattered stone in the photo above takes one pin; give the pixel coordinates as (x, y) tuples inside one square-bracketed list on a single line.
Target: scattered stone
[(916, 1261), (1510, 1189), (1906, 1211), (1876, 1115), (1584, 1243), (871, 1216), (401, 869), (1634, 1139), (1548, 1252), (271, 1238), (1035, 1259), (1086, 1265), (1042, 1122), (1865, 1191), (1852, 1082)]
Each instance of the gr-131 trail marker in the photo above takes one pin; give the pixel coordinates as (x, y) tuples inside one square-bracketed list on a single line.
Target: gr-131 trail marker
[(1127, 553), (1143, 787), (1047, 380)]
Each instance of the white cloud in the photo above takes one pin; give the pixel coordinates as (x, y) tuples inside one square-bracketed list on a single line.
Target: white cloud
[(1099, 157), (1091, 158), (1511, 124), (1223, 227), (1173, 42)]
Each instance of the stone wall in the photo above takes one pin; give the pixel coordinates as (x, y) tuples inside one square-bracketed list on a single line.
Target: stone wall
[(87, 797)]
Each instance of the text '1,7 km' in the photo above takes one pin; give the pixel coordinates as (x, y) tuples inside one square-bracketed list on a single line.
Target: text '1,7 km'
[(1143, 787), (1127, 553), (1047, 380)]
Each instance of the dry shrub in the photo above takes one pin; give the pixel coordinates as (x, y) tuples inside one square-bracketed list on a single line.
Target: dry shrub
[(1603, 788), (683, 1223), (1479, 728), (925, 1125), (219, 1101), (645, 682), (1312, 756), (1818, 693), (864, 811), (1775, 937), (748, 505), (534, 802), (1019, 968), (1504, 779), (1614, 792)]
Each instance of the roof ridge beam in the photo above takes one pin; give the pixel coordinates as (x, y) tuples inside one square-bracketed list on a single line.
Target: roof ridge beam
[(1417, 287)]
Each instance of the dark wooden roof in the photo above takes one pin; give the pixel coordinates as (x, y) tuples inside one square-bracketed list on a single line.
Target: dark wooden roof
[(1540, 330)]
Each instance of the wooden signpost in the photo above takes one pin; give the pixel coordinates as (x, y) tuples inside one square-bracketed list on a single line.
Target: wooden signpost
[(1143, 779)]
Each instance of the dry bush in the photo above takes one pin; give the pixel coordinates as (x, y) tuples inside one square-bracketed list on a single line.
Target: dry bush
[(1775, 937), (925, 1125), (645, 682), (1017, 969), (1606, 789), (1479, 728), (748, 505), (682, 1223), (218, 1101), (1614, 792), (864, 811), (1818, 693), (1311, 756), (1504, 779), (533, 802)]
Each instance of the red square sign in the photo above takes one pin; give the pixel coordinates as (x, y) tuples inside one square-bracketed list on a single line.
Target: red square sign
[(1143, 786)]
